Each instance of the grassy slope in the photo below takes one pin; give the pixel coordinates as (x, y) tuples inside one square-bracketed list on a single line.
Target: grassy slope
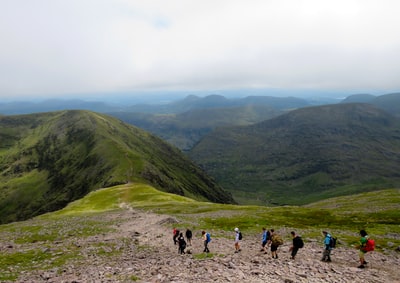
[(49, 159), (305, 155), (379, 210), (338, 215)]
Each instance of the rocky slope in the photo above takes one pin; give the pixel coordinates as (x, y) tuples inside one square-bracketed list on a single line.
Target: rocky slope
[(140, 249)]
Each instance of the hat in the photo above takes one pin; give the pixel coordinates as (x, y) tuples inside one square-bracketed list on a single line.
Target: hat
[(236, 229)]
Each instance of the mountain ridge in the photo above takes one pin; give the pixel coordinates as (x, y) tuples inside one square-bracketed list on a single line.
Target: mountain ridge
[(50, 159)]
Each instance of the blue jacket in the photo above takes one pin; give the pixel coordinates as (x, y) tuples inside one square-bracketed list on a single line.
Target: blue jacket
[(264, 236), (327, 242)]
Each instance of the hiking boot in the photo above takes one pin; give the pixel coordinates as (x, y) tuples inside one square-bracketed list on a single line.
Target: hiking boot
[(365, 262), (361, 266), (328, 260)]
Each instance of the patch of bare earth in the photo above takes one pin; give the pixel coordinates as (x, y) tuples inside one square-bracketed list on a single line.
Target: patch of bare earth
[(141, 249)]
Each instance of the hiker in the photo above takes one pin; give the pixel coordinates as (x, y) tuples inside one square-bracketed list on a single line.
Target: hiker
[(175, 233), (326, 255), (189, 237), (276, 241), (182, 244), (206, 238), (237, 240), (264, 240), (297, 244), (361, 246)]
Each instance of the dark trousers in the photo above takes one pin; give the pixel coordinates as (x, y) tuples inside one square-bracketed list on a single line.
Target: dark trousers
[(294, 251), (326, 256), (206, 250)]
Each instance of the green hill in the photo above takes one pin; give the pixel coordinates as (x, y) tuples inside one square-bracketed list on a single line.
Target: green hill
[(50, 159), (305, 155)]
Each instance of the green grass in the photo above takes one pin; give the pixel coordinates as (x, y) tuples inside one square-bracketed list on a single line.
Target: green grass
[(12, 263), (377, 212), (203, 256)]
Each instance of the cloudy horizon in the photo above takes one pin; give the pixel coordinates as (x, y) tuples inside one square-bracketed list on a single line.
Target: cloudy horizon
[(58, 47)]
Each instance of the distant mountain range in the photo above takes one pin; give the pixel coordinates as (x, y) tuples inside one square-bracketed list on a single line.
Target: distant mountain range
[(189, 103), (203, 115), (388, 102), (26, 107), (184, 130), (305, 155), (184, 122), (50, 159)]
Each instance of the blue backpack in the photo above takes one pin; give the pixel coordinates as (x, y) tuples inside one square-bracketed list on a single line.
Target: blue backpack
[(208, 237)]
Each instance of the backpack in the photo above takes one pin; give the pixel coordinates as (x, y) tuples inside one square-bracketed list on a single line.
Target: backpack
[(240, 236), (298, 242), (369, 246), (208, 237), (332, 242), (277, 240), (182, 242)]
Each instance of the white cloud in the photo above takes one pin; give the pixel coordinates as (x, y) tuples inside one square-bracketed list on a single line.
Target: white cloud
[(76, 46)]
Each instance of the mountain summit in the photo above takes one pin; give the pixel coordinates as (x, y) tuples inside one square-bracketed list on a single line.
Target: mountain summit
[(49, 159)]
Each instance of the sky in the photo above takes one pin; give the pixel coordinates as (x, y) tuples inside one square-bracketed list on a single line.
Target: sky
[(66, 48)]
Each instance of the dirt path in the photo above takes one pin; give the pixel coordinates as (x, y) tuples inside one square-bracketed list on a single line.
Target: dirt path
[(144, 252)]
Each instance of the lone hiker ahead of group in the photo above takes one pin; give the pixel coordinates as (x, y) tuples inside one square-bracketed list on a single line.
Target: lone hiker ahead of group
[(366, 245)]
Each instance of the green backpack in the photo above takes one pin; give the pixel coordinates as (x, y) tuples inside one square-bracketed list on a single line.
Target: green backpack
[(277, 240)]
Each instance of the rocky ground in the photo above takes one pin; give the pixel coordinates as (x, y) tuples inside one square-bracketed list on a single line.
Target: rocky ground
[(141, 249)]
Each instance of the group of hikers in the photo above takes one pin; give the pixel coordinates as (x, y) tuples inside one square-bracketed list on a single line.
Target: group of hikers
[(273, 240)]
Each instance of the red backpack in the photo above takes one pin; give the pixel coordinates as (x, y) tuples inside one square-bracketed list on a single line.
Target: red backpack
[(369, 246)]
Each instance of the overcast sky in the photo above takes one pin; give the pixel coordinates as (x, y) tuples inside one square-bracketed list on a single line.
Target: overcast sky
[(59, 47)]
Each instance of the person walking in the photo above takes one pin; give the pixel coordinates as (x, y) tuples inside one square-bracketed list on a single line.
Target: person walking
[(237, 240), (276, 241), (206, 239), (326, 255), (175, 234), (362, 250), (181, 243), (297, 244), (264, 240), (189, 237)]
